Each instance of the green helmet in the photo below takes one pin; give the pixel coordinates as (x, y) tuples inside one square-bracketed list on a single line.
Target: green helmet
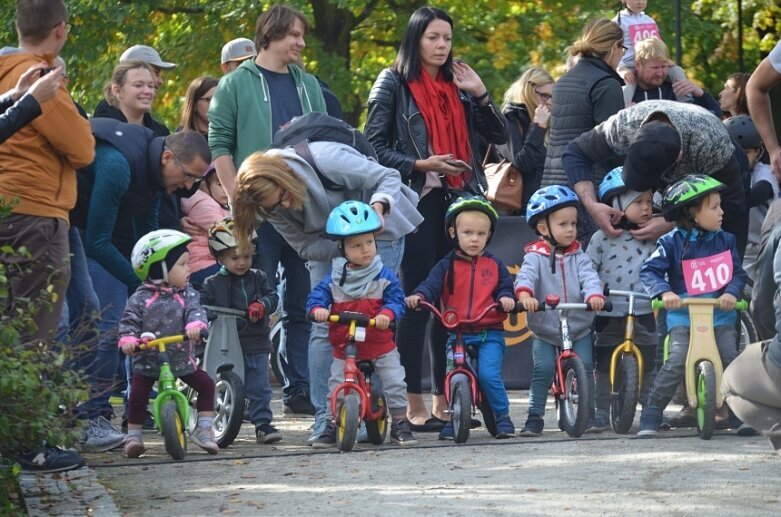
[(686, 192), (470, 202), (153, 248)]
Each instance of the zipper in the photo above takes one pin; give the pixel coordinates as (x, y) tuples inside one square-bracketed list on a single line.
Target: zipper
[(473, 265), (563, 275), (412, 139)]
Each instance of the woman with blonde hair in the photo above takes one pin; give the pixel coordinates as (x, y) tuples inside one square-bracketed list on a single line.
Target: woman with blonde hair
[(129, 95)]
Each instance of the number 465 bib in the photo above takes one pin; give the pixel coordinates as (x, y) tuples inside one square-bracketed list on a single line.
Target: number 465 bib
[(707, 274)]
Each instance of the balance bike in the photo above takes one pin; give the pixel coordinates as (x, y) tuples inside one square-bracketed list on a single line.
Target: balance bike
[(462, 390), (626, 370), (703, 367)]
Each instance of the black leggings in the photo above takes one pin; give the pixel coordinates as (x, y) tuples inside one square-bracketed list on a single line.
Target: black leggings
[(422, 250)]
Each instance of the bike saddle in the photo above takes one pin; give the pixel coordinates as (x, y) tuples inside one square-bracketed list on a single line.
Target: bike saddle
[(366, 367)]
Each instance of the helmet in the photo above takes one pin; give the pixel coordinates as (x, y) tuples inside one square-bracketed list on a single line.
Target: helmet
[(548, 199), (612, 184), (686, 192), (470, 202), (352, 218), (743, 130), (221, 236), (153, 248)]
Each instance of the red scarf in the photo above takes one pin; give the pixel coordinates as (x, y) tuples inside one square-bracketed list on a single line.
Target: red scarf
[(443, 113)]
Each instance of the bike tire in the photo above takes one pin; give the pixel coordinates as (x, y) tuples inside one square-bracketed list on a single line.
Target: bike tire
[(347, 422), (276, 359), (748, 331), (172, 428), (377, 430), (624, 403), (460, 407), (229, 407), (706, 399), (489, 418), (573, 410)]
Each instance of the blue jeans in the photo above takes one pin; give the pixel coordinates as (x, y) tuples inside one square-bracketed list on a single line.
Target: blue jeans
[(257, 388), (271, 250), (544, 356), (320, 352), (490, 354), (103, 362)]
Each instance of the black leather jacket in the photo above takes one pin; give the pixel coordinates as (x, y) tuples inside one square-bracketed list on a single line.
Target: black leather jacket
[(396, 129), (15, 115)]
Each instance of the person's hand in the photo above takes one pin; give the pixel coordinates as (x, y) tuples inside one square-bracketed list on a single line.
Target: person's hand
[(596, 303), (129, 348), (652, 229), (412, 301), (671, 301), (46, 87), (256, 311), (775, 163), (188, 225), (379, 208), (542, 116), (605, 216), (193, 334), (26, 80), (439, 163), (529, 303), (381, 321), (467, 79), (686, 87), (727, 302), (507, 303), (627, 75), (320, 315)]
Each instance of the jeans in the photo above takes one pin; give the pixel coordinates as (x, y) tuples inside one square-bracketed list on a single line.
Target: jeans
[(271, 250), (544, 357), (257, 388), (320, 353), (103, 362), (490, 348)]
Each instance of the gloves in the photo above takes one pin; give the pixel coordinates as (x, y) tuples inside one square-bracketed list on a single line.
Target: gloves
[(256, 311)]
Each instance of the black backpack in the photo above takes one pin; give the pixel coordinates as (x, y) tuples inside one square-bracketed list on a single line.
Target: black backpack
[(319, 127)]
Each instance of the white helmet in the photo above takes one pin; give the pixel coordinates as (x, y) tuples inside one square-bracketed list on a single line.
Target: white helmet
[(154, 247), (221, 236)]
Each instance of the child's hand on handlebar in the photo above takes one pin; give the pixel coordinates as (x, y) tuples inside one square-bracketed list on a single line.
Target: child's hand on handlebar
[(671, 300), (193, 334), (507, 303), (320, 315), (129, 348), (412, 301), (727, 302), (381, 321), (256, 311), (529, 303), (596, 303)]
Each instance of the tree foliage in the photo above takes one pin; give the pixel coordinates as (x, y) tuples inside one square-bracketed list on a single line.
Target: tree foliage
[(352, 40)]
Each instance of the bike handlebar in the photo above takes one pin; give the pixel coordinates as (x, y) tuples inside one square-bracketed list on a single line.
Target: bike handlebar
[(347, 317), (740, 305), (166, 340), (545, 306), (626, 294), (453, 319)]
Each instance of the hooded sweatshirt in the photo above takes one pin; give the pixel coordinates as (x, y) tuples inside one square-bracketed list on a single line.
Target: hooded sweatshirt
[(39, 161)]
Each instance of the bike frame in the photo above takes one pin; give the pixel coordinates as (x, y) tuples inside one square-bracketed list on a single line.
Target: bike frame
[(628, 346), (166, 382)]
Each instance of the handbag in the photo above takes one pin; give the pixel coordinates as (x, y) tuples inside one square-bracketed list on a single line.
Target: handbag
[(505, 183)]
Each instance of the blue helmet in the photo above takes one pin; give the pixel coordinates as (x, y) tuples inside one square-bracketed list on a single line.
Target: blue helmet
[(548, 199), (612, 184), (352, 218)]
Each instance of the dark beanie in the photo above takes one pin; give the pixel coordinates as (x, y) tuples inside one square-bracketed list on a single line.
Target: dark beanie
[(156, 269), (654, 149)]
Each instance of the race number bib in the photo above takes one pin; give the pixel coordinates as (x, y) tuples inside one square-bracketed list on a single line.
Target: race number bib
[(707, 274), (643, 31)]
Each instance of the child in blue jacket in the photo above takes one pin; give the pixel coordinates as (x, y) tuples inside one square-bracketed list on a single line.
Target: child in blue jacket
[(468, 279)]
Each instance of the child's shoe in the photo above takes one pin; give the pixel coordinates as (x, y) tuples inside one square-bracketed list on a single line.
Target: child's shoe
[(447, 432), (533, 426), (327, 438), (203, 437), (504, 427), (267, 433), (134, 447), (650, 420), (401, 434), (599, 422)]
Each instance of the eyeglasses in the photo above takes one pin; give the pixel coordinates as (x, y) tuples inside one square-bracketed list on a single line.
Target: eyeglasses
[(283, 195), (207, 99), (544, 97), (195, 178)]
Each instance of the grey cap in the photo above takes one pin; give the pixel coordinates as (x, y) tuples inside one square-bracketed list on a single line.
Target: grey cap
[(147, 55), (238, 49)]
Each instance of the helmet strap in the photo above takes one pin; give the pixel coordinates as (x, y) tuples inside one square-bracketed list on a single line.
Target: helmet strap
[(165, 271), (553, 243)]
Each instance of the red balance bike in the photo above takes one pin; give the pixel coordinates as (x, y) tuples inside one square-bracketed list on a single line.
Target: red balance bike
[(462, 391)]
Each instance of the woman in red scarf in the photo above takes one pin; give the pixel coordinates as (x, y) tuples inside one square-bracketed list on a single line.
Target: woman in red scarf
[(426, 114)]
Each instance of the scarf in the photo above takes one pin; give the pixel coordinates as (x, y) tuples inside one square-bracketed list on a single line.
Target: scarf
[(354, 281), (445, 120)]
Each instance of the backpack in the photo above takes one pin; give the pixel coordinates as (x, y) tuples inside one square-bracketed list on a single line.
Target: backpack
[(319, 127)]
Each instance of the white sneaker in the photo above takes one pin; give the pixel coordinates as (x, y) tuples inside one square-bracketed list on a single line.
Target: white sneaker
[(203, 437), (101, 436)]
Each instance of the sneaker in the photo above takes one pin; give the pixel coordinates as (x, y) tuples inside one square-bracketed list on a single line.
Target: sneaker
[(134, 447), (267, 433), (598, 423), (745, 430), (401, 434), (650, 420), (327, 438), (317, 430), (723, 421), (363, 434), (203, 437), (101, 436), (533, 426), (665, 425), (50, 459), (504, 427), (686, 417), (298, 404), (447, 433)]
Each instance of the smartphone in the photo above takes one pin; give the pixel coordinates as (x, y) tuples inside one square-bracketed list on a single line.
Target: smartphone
[(461, 164), (46, 70)]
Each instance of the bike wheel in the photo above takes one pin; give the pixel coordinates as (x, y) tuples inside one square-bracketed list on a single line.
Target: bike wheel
[(748, 332), (706, 399), (276, 359), (376, 430), (172, 428), (489, 418), (460, 407), (624, 403), (573, 410), (347, 422), (229, 407)]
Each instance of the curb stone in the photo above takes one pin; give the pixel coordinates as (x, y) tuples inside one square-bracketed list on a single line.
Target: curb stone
[(75, 492)]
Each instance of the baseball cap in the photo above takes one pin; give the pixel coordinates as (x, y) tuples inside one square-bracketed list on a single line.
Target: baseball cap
[(652, 151), (238, 49), (147, 55)]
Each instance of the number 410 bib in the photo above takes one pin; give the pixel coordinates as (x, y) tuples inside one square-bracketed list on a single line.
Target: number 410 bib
[(707, 274)]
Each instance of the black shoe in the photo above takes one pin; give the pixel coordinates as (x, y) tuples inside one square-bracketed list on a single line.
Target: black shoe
[(328, 438), (267, 433), (401, 434), (50, 459), (298, 404)]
